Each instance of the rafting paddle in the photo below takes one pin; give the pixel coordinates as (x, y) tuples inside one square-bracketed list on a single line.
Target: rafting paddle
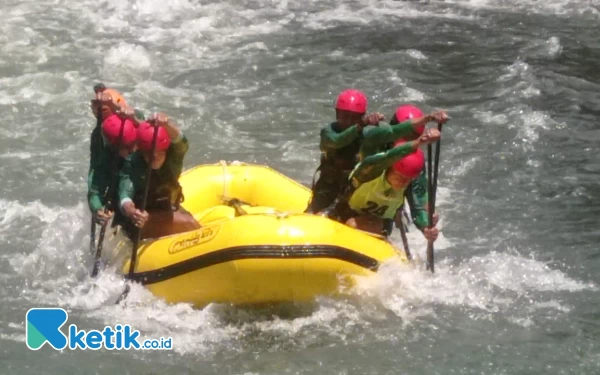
[(108, 197), (138, 231), (98, 88), (432, 191), (400, 224)]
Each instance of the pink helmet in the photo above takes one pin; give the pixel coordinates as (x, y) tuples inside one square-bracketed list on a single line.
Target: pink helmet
[(111, 130), (407, 112), (352, 100), (412, 164), (145, 135)]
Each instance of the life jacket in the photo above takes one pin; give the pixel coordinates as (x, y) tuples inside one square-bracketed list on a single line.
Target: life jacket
[(376, 197), (164, 193), (107, 168), (96, 147), (336, 165)]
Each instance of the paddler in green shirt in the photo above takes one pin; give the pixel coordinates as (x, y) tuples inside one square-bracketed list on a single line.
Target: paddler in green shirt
[(408, 123), (378, 185), (163, 215), (108, 102), (118, 147), (340, 144)]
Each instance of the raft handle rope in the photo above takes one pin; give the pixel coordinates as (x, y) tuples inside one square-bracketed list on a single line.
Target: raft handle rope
[(237, 203)]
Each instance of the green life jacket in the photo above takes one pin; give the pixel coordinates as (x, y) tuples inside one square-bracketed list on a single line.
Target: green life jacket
[(164, 193), (336, 165), (377, 197)]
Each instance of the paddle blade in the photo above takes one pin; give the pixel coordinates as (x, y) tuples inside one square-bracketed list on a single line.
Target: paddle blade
[(430, 263), (123, 295)]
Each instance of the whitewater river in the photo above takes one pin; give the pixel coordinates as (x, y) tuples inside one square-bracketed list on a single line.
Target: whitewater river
[(516, 289)]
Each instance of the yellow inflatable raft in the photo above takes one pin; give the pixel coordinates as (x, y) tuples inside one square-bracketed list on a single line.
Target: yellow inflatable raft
[(256, 245)]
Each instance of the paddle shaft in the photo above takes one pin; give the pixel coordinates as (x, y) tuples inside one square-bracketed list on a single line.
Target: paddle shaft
[(97, 88), (430, 261), (138, 233), (93, 235), (405, 241), (437, 167), (432, 191), (108, 198)]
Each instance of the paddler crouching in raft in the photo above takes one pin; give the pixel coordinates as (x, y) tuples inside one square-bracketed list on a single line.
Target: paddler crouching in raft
[(163, 215), (378, 185), (107, 153), (106, 103), (339, 144), (119, 136), (408, 123)]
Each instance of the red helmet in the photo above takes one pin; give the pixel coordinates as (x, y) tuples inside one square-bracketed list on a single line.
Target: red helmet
[(352, 100), (407, 112), (111, 130), (412, 164), (145, 135)]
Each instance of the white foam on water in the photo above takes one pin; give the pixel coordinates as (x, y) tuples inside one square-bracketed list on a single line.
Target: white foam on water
[(462, 167), (56, 261), (333, 17), (416, 54), (518, 82), (549, 305), (543, 48), (496, 282), (17, 155), (21, 40), (218, 327), (559, 7), (531, 121), (165, 10), (254, 46), (13, 211), (523, 322), (17, 337), (413, 95), (299, 152), (39, 88), (407, 93), (367, 11), (554, 46), (519, 69), (127, 55)]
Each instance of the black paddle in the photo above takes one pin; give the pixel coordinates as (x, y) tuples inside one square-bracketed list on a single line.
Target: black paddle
[(108, 198), (93, 235), (431, 191), (437, 165), (99, 87), (138, 233), (400, 224), (430, 210)]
